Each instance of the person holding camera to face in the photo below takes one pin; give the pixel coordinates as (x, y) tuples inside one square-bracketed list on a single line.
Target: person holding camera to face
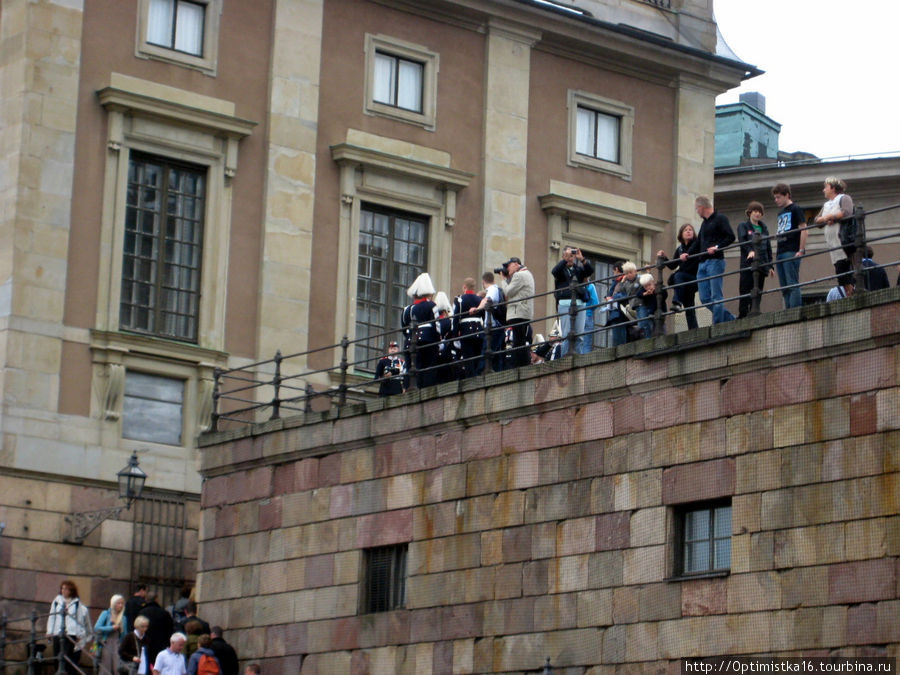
[(517, 284), (572, 269), (391, 372)]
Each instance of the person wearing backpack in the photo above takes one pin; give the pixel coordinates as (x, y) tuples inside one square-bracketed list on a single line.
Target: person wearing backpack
[(203, 660), (492, 304)]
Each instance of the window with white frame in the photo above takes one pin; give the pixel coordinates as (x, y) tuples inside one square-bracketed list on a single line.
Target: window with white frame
[(401, 81), (600, 133), (398, 81), (176, 24), (179, 31)]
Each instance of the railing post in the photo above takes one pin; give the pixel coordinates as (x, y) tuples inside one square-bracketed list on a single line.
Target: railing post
[(63, 637), (307, 389), (3, 622), (860, 243), (548, 669), (488, 352), (342, 395), (276, 384), (756, 291), (413, 348), (572, 337), (216, 394), (659, 321)]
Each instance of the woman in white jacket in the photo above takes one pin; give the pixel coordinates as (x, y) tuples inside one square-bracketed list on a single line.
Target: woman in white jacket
[(69, 624)]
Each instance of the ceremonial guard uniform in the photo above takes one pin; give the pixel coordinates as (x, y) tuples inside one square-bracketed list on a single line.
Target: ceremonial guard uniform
[(469, 329), (391, 372), (422, 311)]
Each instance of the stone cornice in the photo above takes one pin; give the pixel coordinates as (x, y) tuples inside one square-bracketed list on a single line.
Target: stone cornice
[(442, 176), (129, 102), (599, 214), (105, 343)]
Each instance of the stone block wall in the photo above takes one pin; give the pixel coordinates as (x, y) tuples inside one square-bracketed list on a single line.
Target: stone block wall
[(539, 506)]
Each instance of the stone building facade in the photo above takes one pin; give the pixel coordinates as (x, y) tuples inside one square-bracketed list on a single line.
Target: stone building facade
[(554, 511), (191, 188)]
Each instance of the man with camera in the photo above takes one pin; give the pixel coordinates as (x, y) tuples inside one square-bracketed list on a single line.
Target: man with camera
[(518, 287), (572, 269), (391, 372)]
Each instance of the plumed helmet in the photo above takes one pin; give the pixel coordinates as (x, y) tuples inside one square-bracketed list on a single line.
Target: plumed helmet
[(442, 302), (421, 287)]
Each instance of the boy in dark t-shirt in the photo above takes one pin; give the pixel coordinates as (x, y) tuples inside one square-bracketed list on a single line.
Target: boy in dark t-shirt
[(791, 239)]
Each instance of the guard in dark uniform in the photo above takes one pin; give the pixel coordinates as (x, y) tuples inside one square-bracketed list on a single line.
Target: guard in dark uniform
[(391, 372), (426, 336), (469, 327)]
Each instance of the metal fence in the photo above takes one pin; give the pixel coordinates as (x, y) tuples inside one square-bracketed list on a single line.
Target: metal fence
[(263, 391), (27, 650)]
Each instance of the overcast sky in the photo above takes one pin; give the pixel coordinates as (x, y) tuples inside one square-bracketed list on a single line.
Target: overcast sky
[(831, 77)]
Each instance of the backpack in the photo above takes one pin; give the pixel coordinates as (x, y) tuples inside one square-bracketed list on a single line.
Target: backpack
[(207, 665), (498, 311)]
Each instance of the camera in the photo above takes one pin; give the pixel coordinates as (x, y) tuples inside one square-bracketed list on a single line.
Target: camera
[(504, 269)]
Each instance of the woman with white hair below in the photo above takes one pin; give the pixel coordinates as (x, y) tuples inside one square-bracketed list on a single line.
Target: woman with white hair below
[(837, 206), (423, 312), (110, 627)]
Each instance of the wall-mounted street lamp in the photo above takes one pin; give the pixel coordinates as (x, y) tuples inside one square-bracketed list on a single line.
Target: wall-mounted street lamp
[(131, 485)]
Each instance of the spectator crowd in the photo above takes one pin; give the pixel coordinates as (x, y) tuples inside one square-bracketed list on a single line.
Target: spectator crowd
[(139, 637), (444, 341)]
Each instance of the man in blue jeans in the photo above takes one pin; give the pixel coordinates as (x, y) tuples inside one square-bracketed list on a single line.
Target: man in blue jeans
[(792, 235), (715, 234)]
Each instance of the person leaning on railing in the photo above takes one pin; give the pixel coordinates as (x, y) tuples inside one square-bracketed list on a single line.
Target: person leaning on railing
[(791, 237), (837, 206), (715, 234), (684, 261), (745, 235)]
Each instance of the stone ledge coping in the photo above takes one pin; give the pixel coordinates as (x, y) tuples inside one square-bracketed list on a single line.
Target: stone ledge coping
[(677, 346)]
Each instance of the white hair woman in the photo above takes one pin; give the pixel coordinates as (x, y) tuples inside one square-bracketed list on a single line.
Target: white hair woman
[(837, 206), (110, 627), (133, 647)]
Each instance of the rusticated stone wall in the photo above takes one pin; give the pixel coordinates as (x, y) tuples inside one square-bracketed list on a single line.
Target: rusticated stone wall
[(538, 509)]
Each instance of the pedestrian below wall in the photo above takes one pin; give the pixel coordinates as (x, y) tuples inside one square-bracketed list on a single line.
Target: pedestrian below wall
[(69, 624), (228, 659), (160, 630), (111, 626)]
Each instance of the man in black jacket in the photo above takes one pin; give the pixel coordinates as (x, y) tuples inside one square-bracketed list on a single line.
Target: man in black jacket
[(715, 234), (160, 630), (135, 604), (572, 269), (228, 659)]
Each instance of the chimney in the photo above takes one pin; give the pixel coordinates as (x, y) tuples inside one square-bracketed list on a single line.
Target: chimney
[(755, 99)]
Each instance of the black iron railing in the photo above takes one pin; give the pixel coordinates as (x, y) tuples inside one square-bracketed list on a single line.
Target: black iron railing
[(264, 391)]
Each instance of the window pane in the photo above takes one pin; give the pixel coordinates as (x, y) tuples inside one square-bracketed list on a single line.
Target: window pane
[(584, 132), (607, 137), (723, 553), (722, 522), (384, 78), (164, 256), (151, 408), (409, 88), (697, 557), (189, 28), (159, 22), (696, 525)]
